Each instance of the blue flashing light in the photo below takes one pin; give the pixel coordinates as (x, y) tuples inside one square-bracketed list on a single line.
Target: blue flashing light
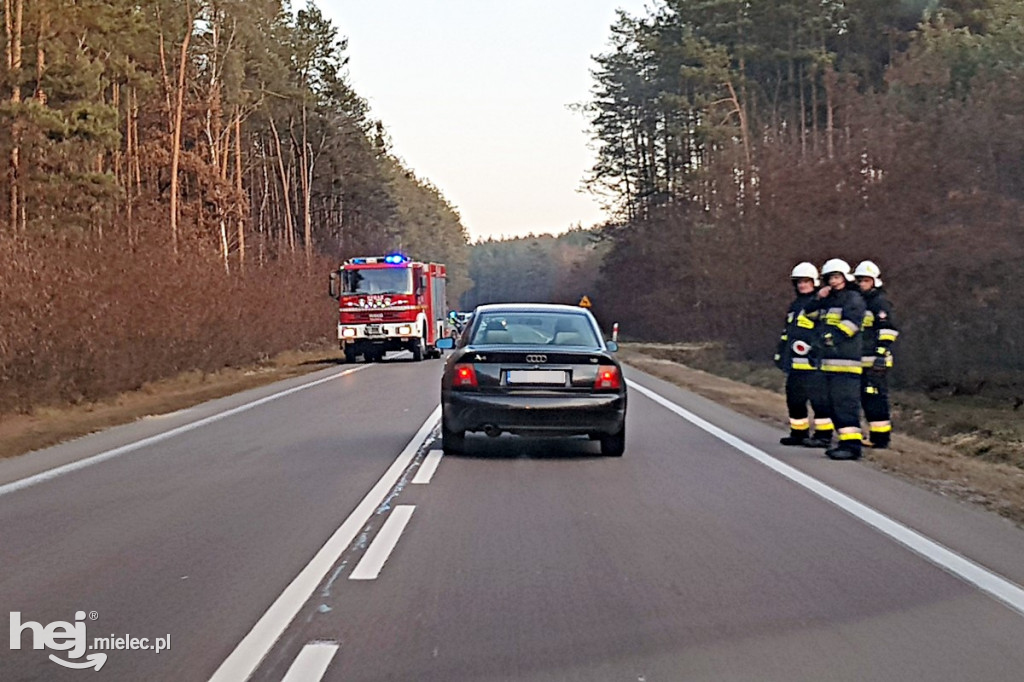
[(396, 259)]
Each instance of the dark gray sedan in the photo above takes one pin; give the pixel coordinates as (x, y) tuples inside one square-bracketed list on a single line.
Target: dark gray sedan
[(533, 370)]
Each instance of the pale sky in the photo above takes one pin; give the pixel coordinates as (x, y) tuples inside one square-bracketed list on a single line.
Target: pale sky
[(474, 94)]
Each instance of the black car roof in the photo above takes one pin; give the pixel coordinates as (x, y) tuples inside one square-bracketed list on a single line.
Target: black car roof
[(530, 307)]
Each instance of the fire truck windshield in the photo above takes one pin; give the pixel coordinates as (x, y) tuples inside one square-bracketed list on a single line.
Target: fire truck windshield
[(378, 281)]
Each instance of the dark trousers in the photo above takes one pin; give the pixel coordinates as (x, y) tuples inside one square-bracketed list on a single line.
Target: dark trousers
[(843, 390), (803, 387), (874, 397)]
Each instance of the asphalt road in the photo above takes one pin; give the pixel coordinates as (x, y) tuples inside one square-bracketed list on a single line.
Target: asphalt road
[(312, 535)]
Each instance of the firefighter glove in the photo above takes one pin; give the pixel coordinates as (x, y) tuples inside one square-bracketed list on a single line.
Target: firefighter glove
[(778, 361)]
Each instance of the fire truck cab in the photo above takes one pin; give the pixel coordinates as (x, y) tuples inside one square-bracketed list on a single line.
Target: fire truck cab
[(389, 303)]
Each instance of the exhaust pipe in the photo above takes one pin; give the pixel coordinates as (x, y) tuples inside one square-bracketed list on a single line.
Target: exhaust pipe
[(492, 431)]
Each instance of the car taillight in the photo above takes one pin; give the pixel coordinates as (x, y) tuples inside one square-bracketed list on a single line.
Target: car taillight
[(608, 377), (465, 375)]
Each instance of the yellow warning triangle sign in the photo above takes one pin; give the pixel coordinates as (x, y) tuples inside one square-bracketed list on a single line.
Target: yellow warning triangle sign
[(584, 302)]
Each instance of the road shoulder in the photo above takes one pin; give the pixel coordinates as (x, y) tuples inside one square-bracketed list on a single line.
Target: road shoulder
[(992, 486)]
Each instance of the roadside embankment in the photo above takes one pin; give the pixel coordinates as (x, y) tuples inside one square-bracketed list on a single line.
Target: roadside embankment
[(46, 426)]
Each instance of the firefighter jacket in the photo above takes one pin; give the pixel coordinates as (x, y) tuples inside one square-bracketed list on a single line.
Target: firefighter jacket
[(879, 331), (838, 318), (796, 346)]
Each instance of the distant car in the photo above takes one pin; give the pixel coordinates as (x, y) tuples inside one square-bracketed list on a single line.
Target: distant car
[(459, 320), (533, 370)]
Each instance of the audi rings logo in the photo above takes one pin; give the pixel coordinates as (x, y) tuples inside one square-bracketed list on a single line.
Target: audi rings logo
[(536, 359)]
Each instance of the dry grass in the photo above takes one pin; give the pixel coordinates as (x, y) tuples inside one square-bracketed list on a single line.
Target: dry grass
[(43, 427), (956, 464)]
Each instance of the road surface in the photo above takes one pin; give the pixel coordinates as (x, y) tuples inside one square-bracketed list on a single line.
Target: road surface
[(310, 530)]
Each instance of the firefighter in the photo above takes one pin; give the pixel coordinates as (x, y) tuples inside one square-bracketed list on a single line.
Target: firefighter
[(839, 314), (879, 334), (795, 357)]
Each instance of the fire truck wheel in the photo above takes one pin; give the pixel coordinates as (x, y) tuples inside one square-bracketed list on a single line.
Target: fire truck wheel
[(418, 350)]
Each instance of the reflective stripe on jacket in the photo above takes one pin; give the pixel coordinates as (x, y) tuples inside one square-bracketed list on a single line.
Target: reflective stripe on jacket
[(879, 329), (840, 316), (795, 349)]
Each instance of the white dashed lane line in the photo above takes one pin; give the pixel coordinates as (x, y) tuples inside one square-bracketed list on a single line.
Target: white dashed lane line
[(248, 654), (369, 567), (428, 467), (312, 662)]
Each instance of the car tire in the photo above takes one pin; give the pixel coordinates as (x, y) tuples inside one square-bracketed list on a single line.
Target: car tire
[(452, 442), (418, 350), (615, 444)]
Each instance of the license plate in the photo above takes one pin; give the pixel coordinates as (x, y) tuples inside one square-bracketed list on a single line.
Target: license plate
[(535, 376), (374, 330)]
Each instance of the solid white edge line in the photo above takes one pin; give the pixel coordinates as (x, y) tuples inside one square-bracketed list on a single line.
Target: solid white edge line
[(428, 467), (311, 663), (246, 657), (372, 563), (51, 474), (993, 584)]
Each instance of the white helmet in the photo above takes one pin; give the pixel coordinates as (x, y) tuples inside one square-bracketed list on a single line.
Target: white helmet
[(868, 268), (805, 270), (836, 265)]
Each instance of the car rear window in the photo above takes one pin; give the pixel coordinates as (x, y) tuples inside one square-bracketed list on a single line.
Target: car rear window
[(526, 328)]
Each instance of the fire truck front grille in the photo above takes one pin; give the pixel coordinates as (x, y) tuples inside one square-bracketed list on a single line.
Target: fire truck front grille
[(366, 317)]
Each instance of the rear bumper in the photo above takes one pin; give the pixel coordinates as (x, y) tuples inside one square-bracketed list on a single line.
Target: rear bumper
[(535, 413)]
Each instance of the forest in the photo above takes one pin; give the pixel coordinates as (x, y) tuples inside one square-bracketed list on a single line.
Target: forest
[(536, 268), (738, 138), (179, 176)]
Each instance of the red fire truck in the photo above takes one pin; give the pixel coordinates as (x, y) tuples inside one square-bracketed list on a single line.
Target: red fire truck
[(389, 303)]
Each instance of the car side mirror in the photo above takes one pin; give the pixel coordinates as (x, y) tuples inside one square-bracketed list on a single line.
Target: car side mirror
[(612, 346), (445, 343), (332, 287)]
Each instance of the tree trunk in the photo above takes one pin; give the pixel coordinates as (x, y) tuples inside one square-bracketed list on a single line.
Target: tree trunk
[(13, 13), (830, 82), (164, 73), (814, 111), (286, 194), (176, 134), (307, 222), (44, 25), (239, 189), (803, 115)]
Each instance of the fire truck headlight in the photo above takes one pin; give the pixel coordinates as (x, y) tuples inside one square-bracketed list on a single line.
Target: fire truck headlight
[(348, 333), (405, 330)]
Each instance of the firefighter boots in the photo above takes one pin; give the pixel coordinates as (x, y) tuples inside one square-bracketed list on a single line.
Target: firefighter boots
[(795, 437), (842, 452), (820, 439)]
